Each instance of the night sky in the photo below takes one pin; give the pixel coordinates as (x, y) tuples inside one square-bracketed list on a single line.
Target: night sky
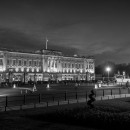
[(85, 27)]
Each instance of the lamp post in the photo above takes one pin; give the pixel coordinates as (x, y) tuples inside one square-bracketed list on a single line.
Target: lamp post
[(108, 69)]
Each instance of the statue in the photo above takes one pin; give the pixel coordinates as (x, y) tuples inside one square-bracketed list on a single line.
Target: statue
[(92, 99)]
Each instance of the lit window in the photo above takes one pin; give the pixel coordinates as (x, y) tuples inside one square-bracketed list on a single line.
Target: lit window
[(32, 69), (27, 69), (16, 69), (22, 69), (37, 69)]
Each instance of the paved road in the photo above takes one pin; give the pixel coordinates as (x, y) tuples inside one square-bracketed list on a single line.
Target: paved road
[(53, 88)]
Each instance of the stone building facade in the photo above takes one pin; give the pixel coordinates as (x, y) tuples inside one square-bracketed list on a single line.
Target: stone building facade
[(44, 65)]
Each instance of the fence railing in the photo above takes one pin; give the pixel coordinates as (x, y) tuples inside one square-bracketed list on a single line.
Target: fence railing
[(26, 99)]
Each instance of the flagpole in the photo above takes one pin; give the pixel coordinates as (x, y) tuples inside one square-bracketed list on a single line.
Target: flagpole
[(46, 42)]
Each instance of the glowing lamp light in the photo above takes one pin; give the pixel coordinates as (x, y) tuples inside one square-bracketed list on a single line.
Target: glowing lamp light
[(108, 69)]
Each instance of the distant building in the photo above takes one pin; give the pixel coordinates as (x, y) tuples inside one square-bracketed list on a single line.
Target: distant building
[(44, 65)]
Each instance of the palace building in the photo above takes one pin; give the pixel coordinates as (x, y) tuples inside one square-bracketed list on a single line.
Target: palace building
[(44, 65)]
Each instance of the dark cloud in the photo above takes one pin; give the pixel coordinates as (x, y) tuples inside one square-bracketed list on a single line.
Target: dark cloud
[(13, 39), (99, 28)]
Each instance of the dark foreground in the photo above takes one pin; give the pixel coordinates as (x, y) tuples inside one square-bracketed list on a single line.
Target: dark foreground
[(108, 114)]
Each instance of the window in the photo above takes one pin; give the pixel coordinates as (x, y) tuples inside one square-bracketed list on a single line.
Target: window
[(75, 65), (25, 63), (82, 66), (68, 65), (49, 63), (72, 65), (8, 61), (38, 63), (30, 63), (62, 65), (65, 65), (52, 64), (19, 62), (79, 65), (91, 66), (35, 63), (55, 64), (14, 62), (1, 62)]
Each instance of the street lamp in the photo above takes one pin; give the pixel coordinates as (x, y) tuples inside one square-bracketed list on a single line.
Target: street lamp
[(108, 69)]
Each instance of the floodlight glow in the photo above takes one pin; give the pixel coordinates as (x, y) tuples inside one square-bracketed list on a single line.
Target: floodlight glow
[(108, 69)]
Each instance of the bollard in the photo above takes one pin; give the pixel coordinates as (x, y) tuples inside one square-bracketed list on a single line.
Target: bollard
[(20, 107), (47, 104), (86, 96), (6, 101), (53, 98), (34, 88), (76, 95), (120, 91), (39, 98), (65, 95), (14, 86), (34, 105), (68, 102), (111, 92), (24, 101), (58, 103), (103, 92)]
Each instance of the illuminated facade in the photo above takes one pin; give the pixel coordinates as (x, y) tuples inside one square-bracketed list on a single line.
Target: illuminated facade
[(44, 65)]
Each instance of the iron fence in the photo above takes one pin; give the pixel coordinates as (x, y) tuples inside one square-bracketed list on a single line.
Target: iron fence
[(67, 96)]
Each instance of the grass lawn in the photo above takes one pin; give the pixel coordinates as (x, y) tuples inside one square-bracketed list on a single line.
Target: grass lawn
[(106, 114)]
